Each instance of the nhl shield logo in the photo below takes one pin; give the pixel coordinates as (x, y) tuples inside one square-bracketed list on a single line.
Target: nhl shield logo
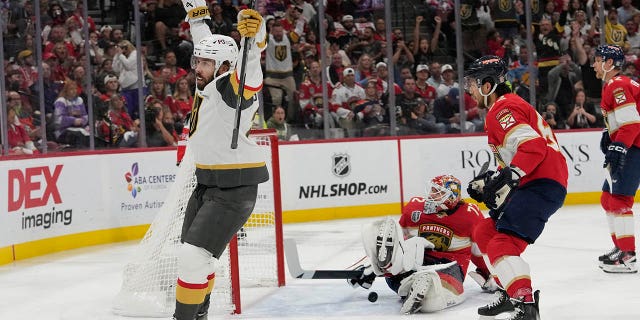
[(341, 165)]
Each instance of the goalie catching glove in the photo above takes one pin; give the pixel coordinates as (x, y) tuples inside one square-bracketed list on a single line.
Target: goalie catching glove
[(499, 186), (196, 10)]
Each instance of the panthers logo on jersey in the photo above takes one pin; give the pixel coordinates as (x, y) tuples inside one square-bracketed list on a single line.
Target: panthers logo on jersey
[(437, 234)]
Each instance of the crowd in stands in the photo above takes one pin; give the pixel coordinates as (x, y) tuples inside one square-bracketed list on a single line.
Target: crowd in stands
[(425, 84)]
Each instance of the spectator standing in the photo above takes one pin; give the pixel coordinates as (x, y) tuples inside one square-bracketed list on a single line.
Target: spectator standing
[(547, 43), (125, 65), (614, 32), (221, 24), (519, 76), (168, 16), (423, 48), (584, 55), (626, 11), (279, 70), (562, 79)]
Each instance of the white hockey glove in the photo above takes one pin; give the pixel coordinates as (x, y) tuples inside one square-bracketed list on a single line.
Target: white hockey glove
[(196, 10), (252, 25), (366, 278), (499, 186), (414, 252)]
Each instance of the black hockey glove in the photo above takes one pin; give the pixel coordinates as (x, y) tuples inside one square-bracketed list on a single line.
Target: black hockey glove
[(474, 189), (605, 141), (499, 187), (366, 278), (615, 156)]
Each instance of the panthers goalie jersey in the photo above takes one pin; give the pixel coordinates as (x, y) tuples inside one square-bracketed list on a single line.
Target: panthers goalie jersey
[(450, 232)]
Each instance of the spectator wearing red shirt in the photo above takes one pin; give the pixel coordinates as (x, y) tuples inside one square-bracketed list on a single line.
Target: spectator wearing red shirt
[(19, 141)]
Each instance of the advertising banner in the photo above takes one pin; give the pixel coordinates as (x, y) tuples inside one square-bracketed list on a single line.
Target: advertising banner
[(321, 175)]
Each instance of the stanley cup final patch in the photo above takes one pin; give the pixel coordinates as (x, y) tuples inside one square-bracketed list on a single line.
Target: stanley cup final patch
[(505, 118), (415, 215)]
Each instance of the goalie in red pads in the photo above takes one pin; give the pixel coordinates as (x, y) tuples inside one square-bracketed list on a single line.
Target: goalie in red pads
[(428, 268)]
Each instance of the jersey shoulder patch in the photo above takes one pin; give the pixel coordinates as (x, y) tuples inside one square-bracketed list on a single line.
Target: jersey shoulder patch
[(505, 118)]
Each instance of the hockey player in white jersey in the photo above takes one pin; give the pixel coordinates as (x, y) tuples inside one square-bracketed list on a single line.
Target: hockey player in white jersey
[(227, 178)]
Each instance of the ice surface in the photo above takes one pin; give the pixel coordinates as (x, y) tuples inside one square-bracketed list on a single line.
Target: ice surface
[(81, 284)]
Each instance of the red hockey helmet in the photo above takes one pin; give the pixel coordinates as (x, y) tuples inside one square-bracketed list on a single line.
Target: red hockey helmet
[(443, 193)]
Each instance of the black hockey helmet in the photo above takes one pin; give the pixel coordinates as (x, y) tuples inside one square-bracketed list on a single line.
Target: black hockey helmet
[(487, 68), (613, 52)]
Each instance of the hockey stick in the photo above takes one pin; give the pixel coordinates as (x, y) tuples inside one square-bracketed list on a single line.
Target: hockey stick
[(296, 271), (607, 176), (245, 49), (483, 168)]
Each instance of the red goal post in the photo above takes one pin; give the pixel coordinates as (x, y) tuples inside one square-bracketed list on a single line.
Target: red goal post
[(254, 260)]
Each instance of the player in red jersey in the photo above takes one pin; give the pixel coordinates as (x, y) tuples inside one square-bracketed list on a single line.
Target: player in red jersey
[(428, 268), (621, 146), (529, 186)]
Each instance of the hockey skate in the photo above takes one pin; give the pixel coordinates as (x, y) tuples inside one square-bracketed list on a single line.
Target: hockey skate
[(501, 304), (526, 310), (620, 262), (611, 252), (486, 282), (413, 302)]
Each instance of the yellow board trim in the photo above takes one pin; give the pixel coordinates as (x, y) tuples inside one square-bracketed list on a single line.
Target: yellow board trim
[(350, 212), (230, 166), (6, 255), (79, 240), (85, 239)]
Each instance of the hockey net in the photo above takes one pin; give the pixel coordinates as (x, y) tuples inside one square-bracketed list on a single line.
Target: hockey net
[(254, 258)]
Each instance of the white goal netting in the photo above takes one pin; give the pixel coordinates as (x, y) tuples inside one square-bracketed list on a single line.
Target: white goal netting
[(149, 279)]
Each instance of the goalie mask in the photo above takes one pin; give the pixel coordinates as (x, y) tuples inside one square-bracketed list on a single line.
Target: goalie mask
[(218, 48), (443, 193)]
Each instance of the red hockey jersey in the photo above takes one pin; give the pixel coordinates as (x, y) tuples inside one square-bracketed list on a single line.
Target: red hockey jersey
[(621, 110), (450, 233), (519, 136)]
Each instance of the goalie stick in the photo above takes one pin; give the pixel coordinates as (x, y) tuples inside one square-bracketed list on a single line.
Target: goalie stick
[(296, 271)]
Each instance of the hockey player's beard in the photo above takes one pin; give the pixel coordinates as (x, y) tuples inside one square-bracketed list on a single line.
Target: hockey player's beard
[(202, 82)]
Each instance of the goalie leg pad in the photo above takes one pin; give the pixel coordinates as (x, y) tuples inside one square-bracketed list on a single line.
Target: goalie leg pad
[(427, 282)]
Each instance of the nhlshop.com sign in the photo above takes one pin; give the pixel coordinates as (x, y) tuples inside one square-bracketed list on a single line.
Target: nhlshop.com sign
[(321, 175)]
